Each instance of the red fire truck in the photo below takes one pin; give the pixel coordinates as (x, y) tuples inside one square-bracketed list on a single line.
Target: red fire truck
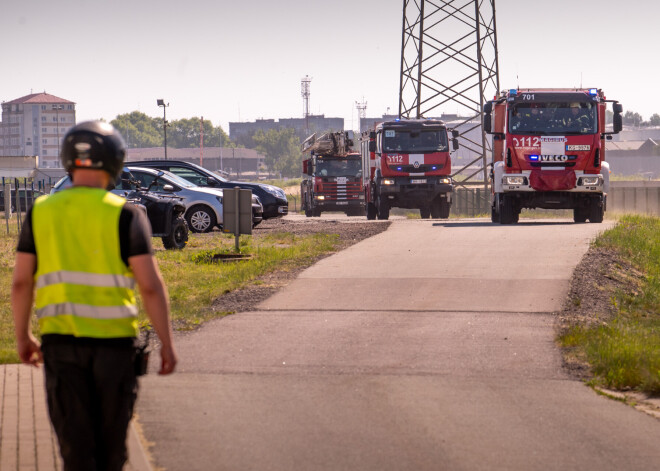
[(332, 175), (407, 164), (549, 151)]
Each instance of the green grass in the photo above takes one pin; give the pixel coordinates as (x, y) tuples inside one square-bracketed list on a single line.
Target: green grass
[(625, 353), (192, 280)]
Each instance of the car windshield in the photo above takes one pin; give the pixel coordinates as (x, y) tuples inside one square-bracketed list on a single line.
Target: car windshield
[(167, 178), (556, 118), (395, 140)]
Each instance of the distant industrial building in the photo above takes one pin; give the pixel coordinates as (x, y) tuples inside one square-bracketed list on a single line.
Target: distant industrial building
[(229, 161), (303, 126), (34, 125)]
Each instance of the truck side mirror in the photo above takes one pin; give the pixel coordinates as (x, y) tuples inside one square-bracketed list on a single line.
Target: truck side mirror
[(617, 123), (455, 143), (372, 146), (488, 123)]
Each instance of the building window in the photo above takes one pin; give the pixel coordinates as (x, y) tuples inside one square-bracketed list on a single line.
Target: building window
[(43, 119), (43, 107), (44, 141), (44, 129), (45, 152)]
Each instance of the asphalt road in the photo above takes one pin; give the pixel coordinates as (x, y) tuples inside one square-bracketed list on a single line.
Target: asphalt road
[(427, 347)]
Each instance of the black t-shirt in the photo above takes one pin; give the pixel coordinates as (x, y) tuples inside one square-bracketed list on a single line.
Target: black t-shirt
[(134, 234)]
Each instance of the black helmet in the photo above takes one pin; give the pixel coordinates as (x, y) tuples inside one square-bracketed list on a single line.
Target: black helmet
[(94, 145)]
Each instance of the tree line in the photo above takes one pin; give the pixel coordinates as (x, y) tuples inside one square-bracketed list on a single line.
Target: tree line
[(281, 148)]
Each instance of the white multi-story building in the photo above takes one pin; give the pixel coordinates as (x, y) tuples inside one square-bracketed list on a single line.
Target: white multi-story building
[(34, 125)]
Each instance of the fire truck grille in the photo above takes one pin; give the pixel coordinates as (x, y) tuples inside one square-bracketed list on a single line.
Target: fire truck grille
[(553, 164), (419, 169), (341, 191)]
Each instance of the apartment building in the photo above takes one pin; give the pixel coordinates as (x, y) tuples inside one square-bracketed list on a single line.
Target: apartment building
[(34, 125)]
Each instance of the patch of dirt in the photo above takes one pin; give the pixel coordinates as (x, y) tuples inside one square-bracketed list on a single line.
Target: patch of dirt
[(597, 280), (350, 231)]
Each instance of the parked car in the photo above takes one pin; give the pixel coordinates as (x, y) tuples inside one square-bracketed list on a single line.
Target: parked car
[(164, 211), (203, 205), (272, 198), (26, 196)]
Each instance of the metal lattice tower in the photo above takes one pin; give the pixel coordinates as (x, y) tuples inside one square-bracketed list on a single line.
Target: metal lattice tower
[(305, 91), (449, 64)]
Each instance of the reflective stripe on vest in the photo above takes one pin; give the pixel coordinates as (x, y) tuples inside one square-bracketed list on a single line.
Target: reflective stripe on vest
[(89, 279), (83, 286)]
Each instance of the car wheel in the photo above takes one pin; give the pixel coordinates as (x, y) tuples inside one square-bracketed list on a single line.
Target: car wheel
[(200, 219), (179, 235)]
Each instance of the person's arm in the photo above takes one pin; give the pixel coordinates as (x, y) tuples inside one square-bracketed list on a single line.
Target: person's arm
[(22, 296), (156, 303)]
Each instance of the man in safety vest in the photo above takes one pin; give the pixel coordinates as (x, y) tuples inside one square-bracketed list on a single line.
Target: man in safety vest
[(83, 249)]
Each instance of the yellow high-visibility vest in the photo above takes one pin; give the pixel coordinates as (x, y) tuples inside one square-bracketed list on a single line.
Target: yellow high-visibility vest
[(84, 288)]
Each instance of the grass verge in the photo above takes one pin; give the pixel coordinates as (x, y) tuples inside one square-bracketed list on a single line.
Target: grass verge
[(192, 278), (624, 353)]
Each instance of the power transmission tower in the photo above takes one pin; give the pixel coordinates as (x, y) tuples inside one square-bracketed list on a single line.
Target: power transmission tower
[(449, 62), (305, 91)]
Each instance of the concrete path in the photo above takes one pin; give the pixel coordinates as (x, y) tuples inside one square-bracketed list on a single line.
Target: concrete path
[(427, 347)]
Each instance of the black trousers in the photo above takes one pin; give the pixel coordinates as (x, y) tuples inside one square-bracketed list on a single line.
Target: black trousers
[(91, 389)]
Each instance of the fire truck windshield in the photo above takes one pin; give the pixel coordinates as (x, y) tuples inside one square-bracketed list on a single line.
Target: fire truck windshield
[(417, 141), (338, 167), (553, 118)]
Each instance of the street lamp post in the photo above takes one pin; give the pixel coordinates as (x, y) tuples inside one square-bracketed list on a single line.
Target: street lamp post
[(161, 102)]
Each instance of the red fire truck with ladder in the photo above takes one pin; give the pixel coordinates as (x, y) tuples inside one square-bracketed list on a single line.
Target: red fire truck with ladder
[(549, 151), (407, 164), (332, 175)]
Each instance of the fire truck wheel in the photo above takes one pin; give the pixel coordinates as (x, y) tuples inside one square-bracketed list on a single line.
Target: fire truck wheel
[(425, 212), (508, 213), (596, 211), (445, 206), (580, 214), (371, 211), (316, 212), (494, 215)]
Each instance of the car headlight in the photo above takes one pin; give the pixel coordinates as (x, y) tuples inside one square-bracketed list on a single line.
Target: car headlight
[(388, 181), (590, 181), (514, 180)]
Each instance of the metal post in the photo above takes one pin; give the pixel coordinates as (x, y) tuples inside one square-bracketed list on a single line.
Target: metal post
[(237, 229)]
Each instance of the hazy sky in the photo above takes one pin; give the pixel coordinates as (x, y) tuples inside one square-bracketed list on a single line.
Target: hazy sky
[(243, 60)]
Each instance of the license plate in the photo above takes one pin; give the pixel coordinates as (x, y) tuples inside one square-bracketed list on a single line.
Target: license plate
[(341, 202), (418, 180)]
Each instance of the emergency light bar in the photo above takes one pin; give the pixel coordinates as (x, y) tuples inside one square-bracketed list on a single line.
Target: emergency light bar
[(533, 157), (513, 91), (593, 91)]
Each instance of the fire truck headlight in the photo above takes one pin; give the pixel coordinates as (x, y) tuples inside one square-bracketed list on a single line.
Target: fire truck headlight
[(590, 181), (388, 181), (514, 180), (320, 197), (445, 180)]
